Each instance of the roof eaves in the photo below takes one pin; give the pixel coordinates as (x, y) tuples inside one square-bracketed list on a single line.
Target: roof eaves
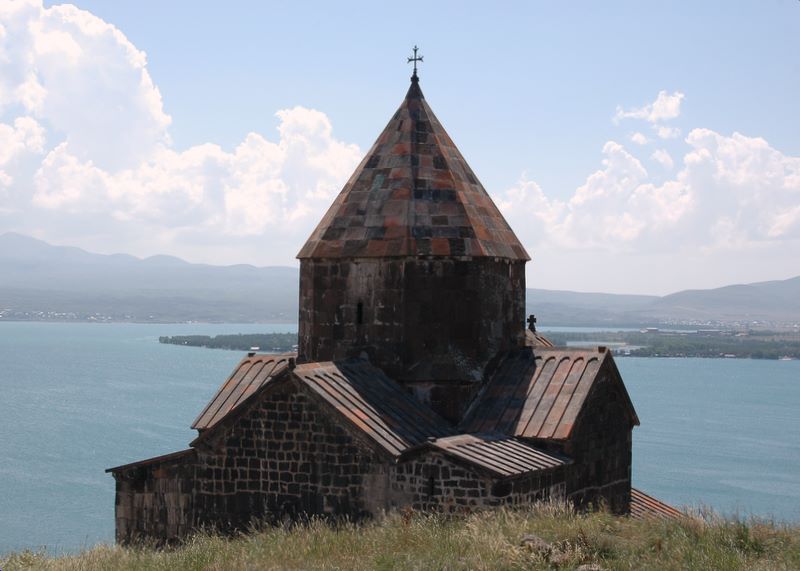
[(172, 456)]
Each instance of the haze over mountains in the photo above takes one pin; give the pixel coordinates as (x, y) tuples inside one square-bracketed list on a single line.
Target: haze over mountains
[(38, 277), (41, 281)]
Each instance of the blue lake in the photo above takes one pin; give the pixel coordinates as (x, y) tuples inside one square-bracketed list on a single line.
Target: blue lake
[(79, 398)]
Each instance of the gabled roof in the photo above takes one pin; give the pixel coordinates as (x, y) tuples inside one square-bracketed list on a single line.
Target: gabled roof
[(360, 392), (252, 373), (500, 455), (373, 404), (540, 393), (413, 195)]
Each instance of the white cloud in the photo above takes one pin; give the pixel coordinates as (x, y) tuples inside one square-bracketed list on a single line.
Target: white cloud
[(84, 80), (664, 108), (750, 187), (665, 132), (25, 135), (260, 188), (85, 153), (663, 158), (20, 142), (616, 207), (732, 192)]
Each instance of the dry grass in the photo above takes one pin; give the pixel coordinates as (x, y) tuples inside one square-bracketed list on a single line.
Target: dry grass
[(488, 540)]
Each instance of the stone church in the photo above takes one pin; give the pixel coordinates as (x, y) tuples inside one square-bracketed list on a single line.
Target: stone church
[(416, 383)]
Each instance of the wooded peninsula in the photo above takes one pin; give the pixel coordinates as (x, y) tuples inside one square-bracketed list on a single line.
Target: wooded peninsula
[(645, 343), (262, 342)]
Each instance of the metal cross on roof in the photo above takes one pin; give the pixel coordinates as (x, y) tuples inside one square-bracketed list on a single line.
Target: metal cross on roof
[(415, 59), (532, 323)]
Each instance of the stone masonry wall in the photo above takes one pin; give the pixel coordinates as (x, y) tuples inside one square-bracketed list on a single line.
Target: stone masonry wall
[(286, 458), (283, 459), (435, 483), (422, 321), (601, 447), (155, 501)]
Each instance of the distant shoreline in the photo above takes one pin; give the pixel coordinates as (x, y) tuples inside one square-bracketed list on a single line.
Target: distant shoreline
[(622, 340), (549, 328), (645, 343), (148, 321), (701, 343), (262, 342)]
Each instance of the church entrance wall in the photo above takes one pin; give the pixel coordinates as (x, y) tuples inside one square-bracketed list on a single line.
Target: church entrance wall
[(434, 482)]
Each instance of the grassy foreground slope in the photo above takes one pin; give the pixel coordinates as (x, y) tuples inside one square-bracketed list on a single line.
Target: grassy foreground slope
[(489, 540)]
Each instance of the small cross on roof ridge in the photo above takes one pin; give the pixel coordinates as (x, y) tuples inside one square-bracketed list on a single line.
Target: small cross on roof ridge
[(415, 59)]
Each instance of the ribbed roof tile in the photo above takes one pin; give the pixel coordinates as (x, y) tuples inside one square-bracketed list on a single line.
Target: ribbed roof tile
[(374, 404), (252, 373), (646, 506), (500, 455), (540, 393)]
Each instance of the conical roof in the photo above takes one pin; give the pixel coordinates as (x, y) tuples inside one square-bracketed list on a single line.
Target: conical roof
[(413, 195)]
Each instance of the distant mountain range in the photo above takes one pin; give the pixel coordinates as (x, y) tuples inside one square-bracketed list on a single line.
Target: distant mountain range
[(41, 281), (772, 303), (38, 277)]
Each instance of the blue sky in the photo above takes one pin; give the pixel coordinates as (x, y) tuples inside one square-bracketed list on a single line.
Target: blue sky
[(555, 105)]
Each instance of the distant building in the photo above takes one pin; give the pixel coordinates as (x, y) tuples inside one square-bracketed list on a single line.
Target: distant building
[(415, 384)]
